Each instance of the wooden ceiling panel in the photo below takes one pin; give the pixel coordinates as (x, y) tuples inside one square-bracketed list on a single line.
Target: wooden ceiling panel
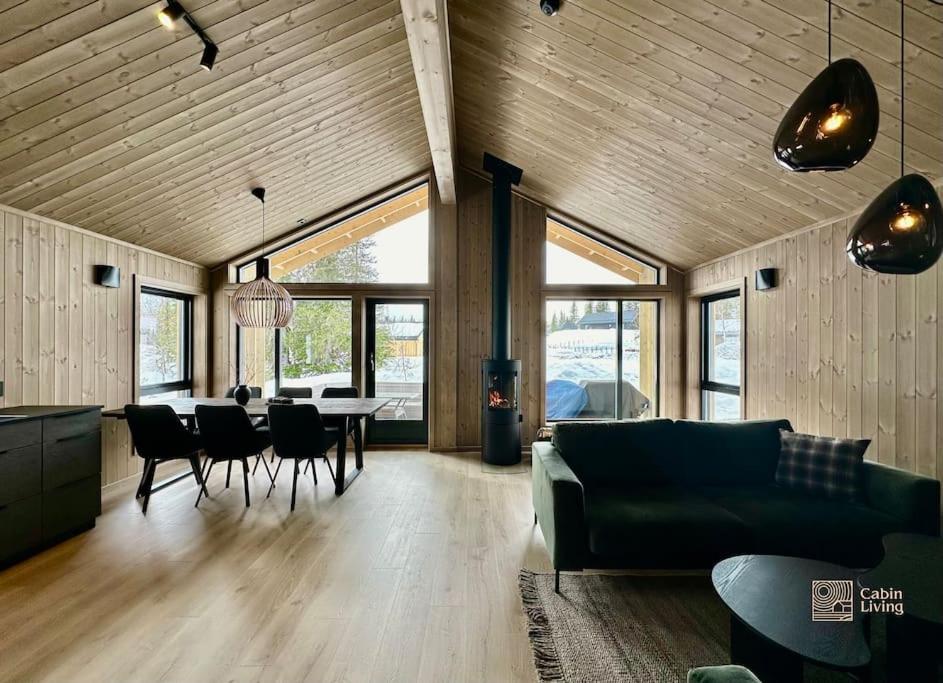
[(654, 118), (107, 121)]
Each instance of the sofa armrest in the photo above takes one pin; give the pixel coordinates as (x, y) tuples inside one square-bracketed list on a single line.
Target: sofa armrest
[(558, 504), (914, 498)]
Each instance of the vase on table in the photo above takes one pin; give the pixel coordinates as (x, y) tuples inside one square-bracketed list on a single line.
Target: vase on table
[(242, 394)]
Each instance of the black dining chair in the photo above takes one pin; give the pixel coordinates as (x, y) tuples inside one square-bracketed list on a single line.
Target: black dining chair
[(353, 426), (228, 435), (295, 392), (159, 436), (298, 433)]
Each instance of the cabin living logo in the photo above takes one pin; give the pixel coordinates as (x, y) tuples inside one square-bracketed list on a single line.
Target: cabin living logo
[(834, 600)]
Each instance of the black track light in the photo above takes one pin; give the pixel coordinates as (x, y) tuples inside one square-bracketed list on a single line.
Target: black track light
[(169, 15), (209, 56)]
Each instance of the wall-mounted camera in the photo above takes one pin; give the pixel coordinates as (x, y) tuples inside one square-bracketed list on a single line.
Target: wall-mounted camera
[(549, 7)]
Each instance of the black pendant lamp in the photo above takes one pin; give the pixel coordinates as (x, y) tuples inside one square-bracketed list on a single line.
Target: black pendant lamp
[(900, 231), (832, 125)]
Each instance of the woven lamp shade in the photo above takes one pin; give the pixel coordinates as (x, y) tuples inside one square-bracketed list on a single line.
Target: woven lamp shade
[(262, 303)]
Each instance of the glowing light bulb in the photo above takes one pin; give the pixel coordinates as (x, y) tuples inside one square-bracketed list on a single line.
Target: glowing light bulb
[(906, 220), (165, 19), (836, 119)]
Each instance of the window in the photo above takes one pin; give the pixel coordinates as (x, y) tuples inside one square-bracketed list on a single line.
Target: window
[(602, 359), (721, 354), (575, 259), (387, 244), (314, 351), (164, 355)]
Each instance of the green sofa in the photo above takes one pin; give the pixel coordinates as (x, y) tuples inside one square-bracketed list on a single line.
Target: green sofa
[(684, 494)]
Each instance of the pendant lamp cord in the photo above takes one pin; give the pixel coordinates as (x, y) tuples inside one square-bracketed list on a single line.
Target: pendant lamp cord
[(829, 31), (901, 88)]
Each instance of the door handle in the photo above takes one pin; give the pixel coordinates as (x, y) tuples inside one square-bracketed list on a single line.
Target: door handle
[(373, 362)]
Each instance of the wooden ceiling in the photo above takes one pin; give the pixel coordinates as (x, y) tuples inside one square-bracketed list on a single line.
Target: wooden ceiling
[(649, 119), (653, 119), (108, 122)]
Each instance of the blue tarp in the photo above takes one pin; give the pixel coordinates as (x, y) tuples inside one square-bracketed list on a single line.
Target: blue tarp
[(565, 399)]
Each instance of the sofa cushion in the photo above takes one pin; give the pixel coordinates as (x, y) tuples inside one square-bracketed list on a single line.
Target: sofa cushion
[(783, 522), (730, 453), (662, 526), (639, 452), (821, 466)]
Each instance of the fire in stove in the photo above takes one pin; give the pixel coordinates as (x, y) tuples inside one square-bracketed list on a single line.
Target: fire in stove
[(497, 400)]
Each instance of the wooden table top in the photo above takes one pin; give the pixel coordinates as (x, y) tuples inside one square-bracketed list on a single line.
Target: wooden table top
[(328, 407), (772, 594)]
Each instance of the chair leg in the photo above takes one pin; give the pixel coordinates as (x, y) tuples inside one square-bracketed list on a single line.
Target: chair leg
[(307, 465), (205, 478), (228, 472), (206, 467), (294, 485), (144, 473), (148, 484), (272, 485), (314, 470), (556, 583), (265, 464), (329, 468), (195, 466), (245, 478)]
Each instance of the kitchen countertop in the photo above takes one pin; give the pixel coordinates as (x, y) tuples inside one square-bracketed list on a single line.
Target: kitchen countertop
[(26, 413)]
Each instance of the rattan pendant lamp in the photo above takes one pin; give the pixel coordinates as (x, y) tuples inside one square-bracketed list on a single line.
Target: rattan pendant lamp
[(262, 303), (833, 123), (901, 231)]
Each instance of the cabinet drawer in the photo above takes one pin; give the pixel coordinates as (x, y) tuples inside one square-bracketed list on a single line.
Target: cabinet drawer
[(21, 473), (71, 508), (20, 434), (20, 527), (68, 426), (71, 459)]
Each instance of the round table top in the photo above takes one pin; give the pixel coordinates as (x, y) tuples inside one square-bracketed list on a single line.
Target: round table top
[(913, 564), (772, 595)]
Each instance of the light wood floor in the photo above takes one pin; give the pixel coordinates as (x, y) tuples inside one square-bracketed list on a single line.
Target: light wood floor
[(410, 576)]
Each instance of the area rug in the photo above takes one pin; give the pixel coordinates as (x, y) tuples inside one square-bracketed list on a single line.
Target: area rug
[(641, 629)]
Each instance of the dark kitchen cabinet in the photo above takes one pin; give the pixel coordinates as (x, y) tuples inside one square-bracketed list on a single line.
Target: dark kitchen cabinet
[(50, 476)]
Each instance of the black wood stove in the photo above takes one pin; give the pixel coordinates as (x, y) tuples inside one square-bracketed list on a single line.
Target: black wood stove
[(501, 375)]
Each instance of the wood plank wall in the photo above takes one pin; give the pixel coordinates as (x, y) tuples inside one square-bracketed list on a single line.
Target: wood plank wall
[(837, 350), (65, 340)]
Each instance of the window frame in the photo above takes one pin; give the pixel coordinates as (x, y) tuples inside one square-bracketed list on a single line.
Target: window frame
[(331, 222), (619, 301), (606, 242), (186, 384), (277, 343), (706, 385)]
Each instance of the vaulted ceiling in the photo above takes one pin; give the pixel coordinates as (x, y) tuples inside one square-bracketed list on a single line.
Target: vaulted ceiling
[(108, 122), (650, 119), (654, 119)]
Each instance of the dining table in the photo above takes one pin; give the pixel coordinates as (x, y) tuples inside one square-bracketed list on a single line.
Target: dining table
[(343, 411)]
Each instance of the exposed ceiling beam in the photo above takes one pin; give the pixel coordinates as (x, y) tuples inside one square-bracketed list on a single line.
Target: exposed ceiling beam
[(427, 29)]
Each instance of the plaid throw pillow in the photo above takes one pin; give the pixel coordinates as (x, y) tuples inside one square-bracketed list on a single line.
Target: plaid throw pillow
[(821, 465)]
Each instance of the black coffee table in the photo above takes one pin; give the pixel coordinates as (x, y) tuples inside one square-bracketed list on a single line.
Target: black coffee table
[(912, 564), (771, 626)]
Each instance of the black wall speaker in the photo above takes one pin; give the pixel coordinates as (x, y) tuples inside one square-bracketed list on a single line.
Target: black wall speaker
[(108, 276), (765, 279)]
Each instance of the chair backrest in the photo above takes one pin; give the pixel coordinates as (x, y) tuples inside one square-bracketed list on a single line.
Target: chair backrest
[(295, 392), (254, 392), (297, 430), (157, 432), (226, 431), (340, 392)]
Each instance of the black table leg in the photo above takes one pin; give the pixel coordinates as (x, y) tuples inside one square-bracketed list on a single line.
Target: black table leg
[(341, 479), (769, 662), (358, 443)]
